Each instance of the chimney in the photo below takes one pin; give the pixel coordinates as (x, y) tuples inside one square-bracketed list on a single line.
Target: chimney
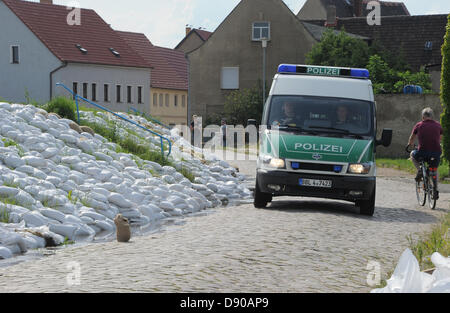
[(358, 7), (331, 16), (188, 30), (46, 1)]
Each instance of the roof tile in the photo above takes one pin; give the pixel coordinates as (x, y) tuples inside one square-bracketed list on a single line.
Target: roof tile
[(170, 67)]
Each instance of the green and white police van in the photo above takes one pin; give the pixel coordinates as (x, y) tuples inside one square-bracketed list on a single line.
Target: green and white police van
[(318, 137)]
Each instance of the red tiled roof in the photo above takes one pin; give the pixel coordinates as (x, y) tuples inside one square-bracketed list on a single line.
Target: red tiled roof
[(203, 34), (49, 23), (344, 8), (403, 35), (170, 67)]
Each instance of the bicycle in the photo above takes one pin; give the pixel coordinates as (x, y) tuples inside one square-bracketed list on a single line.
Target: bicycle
[(427, 187)]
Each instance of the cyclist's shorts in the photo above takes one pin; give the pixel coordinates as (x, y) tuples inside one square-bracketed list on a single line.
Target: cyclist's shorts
[(427, 156)]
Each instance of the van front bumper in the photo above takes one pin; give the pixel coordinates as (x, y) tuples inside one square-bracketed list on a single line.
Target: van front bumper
[(349, 188)]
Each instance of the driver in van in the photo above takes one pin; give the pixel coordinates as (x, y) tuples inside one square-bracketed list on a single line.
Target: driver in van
[(290, 114)]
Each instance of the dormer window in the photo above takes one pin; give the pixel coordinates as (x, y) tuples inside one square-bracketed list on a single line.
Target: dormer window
[(429, 46), (83, 50), (113, 51)]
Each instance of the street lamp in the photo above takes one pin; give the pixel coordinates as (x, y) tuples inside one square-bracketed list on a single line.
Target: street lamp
[(264, 47)]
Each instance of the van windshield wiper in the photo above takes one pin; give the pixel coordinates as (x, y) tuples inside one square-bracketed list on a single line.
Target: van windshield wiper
[(343, 131), (295, 128)]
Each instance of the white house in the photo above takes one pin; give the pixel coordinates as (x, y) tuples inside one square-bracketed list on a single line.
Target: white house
[(41, 45)]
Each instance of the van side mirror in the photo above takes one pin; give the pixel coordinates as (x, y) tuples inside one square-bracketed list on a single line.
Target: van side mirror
[(386, 138)]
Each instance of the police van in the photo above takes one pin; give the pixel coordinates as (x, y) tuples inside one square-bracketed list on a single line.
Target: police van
[(318, 137)]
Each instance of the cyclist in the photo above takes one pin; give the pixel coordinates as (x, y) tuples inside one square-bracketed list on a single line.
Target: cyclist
[(429, 133)]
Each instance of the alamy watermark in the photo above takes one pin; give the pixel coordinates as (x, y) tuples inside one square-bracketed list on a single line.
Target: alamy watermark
[(74, 276), (374, 16), (74, 16), (374, 276)]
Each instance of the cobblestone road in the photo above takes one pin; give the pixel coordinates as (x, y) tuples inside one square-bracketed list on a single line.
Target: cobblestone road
[(301, 245)]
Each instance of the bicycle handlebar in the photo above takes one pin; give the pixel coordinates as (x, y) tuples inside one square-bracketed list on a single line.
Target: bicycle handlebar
[(408, 150)]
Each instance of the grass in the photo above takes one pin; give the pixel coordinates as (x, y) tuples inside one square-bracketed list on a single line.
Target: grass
[(4, 216), (12, 143), (407, 166), (127, 145), (67, 242), (186, 173), (71, 198), (12, 185), (10, 201), (437, 240)]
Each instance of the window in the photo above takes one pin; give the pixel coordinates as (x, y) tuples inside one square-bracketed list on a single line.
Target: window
[(85, 90), (161, 100), (106, 93), (167, 100), (75, 89), (129, 92), (94, 92), (155, 99), (175, 100), (119, 93), (139, 95), (15, 54), (261, 30), (183, 101), (230, 78)]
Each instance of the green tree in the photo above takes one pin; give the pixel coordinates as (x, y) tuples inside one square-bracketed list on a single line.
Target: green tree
[(381, 74), (339, 50), (241, 105), (445, 92)]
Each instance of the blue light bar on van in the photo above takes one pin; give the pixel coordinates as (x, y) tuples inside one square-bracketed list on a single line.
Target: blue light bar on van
[(324, 71)]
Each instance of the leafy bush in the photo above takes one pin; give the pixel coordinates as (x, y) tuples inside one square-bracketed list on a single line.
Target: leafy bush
[(445, 92), (244, 104), (64, 107), (387, 80)]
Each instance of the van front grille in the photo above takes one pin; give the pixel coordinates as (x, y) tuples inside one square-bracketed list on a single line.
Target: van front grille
[(316, 167)]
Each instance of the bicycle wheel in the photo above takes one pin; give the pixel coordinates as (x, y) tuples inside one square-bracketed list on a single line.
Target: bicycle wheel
[(432, 187), (421, 192)]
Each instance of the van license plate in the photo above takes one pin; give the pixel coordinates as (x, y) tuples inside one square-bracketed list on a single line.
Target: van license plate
[(316, 183)]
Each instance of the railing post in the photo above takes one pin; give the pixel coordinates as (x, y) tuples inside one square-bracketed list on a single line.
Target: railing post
[(78, 109)]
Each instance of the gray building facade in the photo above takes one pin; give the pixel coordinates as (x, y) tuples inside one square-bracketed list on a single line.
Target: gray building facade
[(232, 58)]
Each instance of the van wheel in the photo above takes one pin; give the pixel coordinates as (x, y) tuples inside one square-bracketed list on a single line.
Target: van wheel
[(368, 207), (261, 199)]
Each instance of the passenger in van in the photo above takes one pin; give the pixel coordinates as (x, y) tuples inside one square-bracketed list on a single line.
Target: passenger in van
[(342, 115)]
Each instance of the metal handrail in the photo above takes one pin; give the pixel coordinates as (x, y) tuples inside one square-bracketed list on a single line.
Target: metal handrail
[(76, 96), (149, 117)]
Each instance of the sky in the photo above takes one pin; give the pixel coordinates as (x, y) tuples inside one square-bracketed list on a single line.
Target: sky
[(164, 21)]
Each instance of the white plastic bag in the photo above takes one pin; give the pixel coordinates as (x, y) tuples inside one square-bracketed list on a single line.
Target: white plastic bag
[(407, 277)]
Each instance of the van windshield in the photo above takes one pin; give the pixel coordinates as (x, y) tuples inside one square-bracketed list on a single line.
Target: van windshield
[(322, 115)]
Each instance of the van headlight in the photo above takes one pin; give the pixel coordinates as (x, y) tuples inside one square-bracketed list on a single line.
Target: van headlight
[(360, 168), (272, 162)]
